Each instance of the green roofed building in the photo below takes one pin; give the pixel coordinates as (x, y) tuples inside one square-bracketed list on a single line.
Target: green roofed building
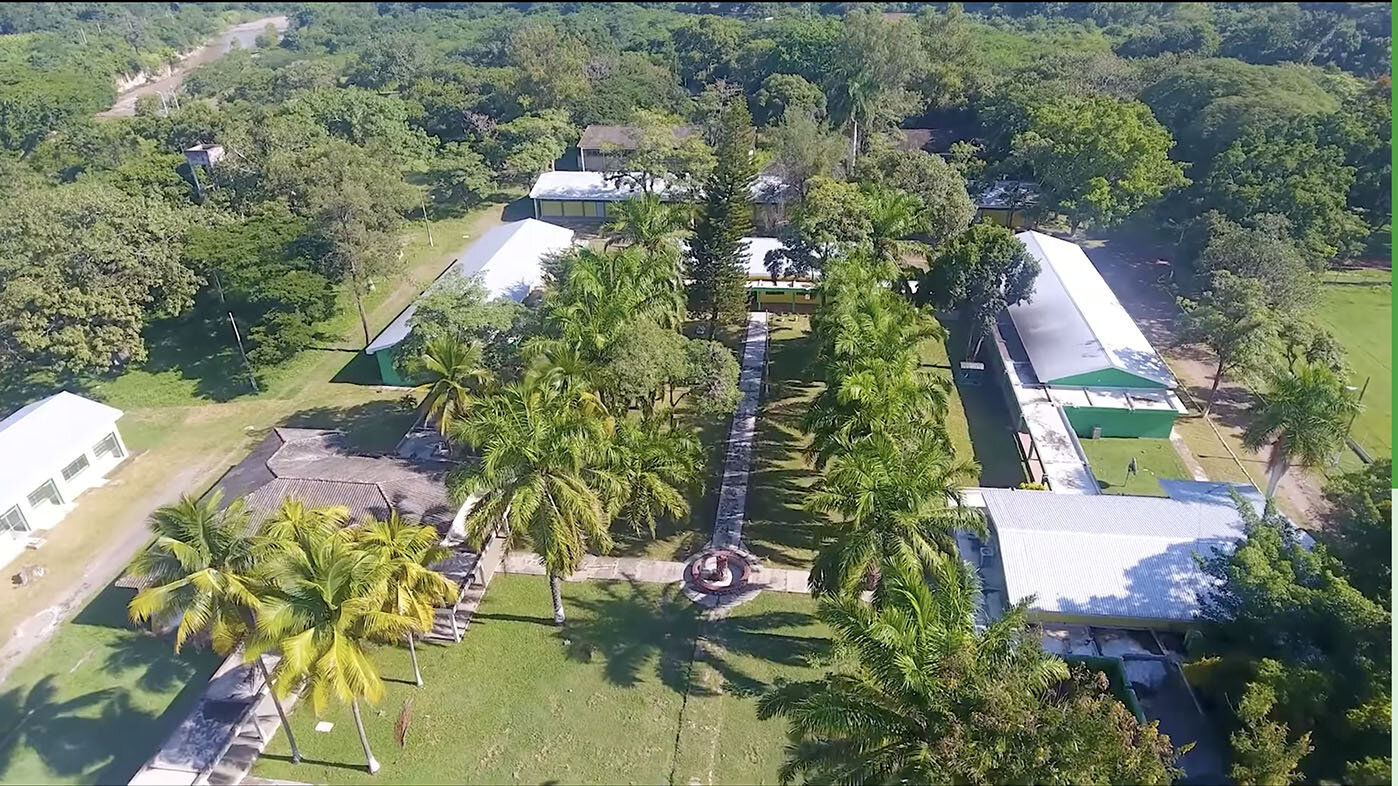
[(1074, 346)]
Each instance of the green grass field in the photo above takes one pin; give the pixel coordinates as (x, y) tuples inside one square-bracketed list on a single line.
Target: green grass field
[(600, 701), (1357, 306), (1155, 459), (95, 701)]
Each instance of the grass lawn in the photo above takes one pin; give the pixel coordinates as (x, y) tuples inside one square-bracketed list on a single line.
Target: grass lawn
[(1357, 306), (774, 636), (1155, 459), (600, 701), (977, 419), (95, 701), (779, 529)]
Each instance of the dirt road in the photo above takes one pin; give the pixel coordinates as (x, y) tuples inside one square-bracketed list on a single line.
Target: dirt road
[(1134, 271)]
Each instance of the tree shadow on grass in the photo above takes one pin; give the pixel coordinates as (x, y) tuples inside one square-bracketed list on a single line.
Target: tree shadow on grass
[(96, 737), (761, 637), (108, 609), (200, 346), (371, 427), (632, 633)]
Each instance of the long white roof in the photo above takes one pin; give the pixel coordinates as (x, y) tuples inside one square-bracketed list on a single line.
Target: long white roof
[(595, 187), (1074, 324), (508, 261), (1109, 556), (42, 437)]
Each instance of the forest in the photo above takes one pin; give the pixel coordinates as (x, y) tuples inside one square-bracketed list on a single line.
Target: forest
[(1251, 140)]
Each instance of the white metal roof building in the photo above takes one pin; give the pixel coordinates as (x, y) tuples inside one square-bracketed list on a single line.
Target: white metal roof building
[(509, 261), (1119, 561), (1075, 330), (50, 452)]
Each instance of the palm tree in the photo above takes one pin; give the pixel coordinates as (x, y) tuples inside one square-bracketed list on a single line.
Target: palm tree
[(295, 525), (647, 223), (543, 453), (654, 467), (887, 494), (600, 294), (323, 602), (902, 709), (893, 215), (455, 377), (199, 569), (414, 588), (1304, 417)]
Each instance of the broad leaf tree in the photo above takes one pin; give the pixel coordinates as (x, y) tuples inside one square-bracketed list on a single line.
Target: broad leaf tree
[(981, 272), (1233, 320)]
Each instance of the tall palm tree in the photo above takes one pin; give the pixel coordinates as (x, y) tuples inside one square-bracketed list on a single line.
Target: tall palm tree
[(889, 494), (599, 294), (1303, 416), (893, 216), (415, 590), (323, 602), (654, 467), (648, 223), (542, 469), (904, 706), (455, 377), (200, 569)]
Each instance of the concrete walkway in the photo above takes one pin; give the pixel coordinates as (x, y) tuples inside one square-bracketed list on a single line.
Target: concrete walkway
[(1187, 456), (650, 571), (737, 466)]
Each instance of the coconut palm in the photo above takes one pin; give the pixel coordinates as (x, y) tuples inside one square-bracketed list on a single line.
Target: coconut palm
[(455, 377), (654, 467), (323, 602), (296, 525), (893, 216), (1303, 416), (199, 570), (543, 453), (926, 697), (888, 494), (415, 590)]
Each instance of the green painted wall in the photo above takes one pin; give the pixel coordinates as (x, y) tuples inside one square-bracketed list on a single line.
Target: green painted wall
[(1107, 378), (1121, 422), (782, 299), (387, 371)]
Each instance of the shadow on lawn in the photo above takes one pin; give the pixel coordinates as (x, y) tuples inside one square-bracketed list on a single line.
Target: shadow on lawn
[(754, 636), (631, 633)]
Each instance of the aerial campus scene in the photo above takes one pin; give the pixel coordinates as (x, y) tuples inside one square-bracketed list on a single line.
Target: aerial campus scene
[(695, 393)]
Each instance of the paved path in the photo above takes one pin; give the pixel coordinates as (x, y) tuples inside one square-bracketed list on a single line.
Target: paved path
[(737, 466), (1187, 456), (651, 571)]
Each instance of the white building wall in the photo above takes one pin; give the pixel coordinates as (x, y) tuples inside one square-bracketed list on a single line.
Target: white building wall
[(45, 516)]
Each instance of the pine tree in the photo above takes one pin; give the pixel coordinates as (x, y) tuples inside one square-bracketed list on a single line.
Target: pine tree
[(717, 266)]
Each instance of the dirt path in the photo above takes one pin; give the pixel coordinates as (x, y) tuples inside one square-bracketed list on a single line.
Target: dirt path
[(245, 34), (1133, 271)]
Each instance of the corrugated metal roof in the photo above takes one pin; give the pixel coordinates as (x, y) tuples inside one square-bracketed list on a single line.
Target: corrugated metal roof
[(1074, 324), (508, 260), (41, 438), (595, 187), (1108, 556)]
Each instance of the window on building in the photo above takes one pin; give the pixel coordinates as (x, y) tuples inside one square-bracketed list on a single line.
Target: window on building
[(75, 468), (548, 207), (573, 209), (592, 209), (46, 494), (13, 521), (109, 446)]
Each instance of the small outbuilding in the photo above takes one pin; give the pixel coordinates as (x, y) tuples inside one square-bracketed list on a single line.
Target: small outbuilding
[(600, 147), (509, 261), (51, 451)]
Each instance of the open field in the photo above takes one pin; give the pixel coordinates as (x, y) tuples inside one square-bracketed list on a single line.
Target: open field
[(599, 701), (1357, 306), (1155, 459)]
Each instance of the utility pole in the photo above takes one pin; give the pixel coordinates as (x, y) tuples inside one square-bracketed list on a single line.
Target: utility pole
[(425, 222), (251, 379)]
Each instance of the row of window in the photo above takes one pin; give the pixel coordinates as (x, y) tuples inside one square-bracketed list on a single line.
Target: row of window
[(13, 521), (553, 208)]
